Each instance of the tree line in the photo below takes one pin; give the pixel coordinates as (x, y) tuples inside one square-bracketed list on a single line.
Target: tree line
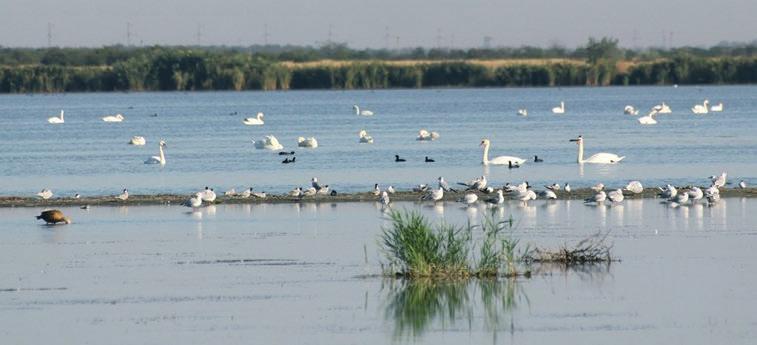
[(184, 69)]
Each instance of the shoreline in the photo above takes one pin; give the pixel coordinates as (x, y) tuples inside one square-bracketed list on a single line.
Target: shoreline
[(176, 199)]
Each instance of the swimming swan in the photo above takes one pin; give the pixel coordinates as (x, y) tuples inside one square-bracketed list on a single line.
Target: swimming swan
[(424, 135), (597, 158), (649, 119), (113, 118), (364, 137), (137, 141), (630, 110), (523, 112), (269, 142), (662, 108), (701, 108), (501, 160), (161, 158), (363, 112), (310, 142), (560, 109), (254, 121), (56, 119), (715, 108)]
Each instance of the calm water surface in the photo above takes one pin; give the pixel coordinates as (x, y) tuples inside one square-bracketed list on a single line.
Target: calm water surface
[(302, 274), (208, 146)]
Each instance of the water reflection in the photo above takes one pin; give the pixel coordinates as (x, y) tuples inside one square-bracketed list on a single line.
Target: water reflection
[(414, 306), (417, 306)]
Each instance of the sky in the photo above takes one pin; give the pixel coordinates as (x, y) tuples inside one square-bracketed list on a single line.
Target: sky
[(375, 24)]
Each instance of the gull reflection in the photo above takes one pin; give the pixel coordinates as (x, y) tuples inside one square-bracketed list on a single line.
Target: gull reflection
[(210, 210), (550, 209), (617, 213)]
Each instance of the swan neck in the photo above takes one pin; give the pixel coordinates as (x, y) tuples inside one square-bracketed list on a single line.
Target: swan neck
[(485, 160), (162, 156), (580, 152)]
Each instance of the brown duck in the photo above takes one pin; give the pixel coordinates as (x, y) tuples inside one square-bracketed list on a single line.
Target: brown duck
[(54, 217)]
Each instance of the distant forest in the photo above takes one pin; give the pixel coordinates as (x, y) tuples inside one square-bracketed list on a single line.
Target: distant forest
[(335, 66)]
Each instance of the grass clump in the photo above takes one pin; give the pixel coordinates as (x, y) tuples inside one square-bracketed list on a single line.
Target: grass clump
[(591, 250), (417, 248)]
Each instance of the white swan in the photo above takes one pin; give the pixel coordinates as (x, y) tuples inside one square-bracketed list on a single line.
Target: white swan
[(361, 112), (662, 108), (501, 160), (364, 137), (523, 112), (113, 118), (56, 119), (254, 121), (597, 158), (269, 142), (630, 110), (310, 142), (715, 108), (701, 108), (560, 109), (161, 158), (424, 135), (137, 140), (649, 119)]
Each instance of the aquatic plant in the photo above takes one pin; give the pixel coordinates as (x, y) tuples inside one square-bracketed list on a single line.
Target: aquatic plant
[(416, 248), (591, 250)]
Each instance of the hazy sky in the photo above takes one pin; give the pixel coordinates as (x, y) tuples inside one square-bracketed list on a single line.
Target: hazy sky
[(461, 24)]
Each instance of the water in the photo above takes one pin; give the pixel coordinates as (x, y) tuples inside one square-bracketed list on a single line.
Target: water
[(304, 273), (207, 146)]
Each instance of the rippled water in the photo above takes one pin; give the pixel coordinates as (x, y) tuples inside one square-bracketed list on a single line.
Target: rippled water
[(302, 273), (207, 146)]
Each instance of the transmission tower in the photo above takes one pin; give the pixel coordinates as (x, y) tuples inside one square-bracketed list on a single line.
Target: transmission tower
[(128, 34), (49, 34)]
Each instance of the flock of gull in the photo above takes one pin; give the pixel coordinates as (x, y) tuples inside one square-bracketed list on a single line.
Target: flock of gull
[(478, 186)]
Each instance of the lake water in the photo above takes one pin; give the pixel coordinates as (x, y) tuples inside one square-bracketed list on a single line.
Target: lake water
[(208, 146), (305, 274)]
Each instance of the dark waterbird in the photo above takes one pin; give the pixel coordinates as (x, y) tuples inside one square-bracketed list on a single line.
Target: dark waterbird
[(429, 160), (54, 217), (398, 159), (284, 153), (510, 165), (537, 159), (287, 160)]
